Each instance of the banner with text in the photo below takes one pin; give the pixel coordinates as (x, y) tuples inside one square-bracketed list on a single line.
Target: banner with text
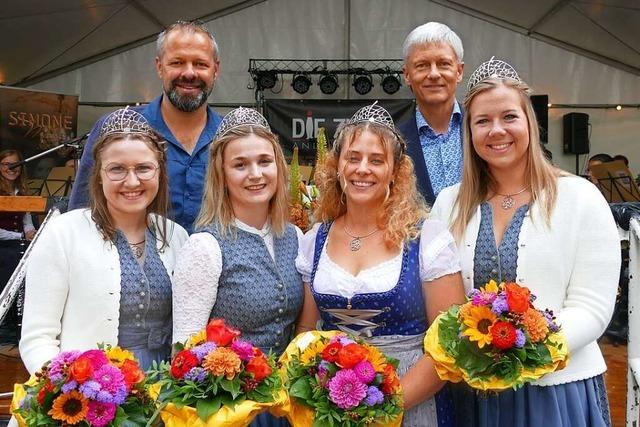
[(296, 122)]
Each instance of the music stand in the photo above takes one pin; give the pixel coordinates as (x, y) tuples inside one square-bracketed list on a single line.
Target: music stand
[(616, 182)]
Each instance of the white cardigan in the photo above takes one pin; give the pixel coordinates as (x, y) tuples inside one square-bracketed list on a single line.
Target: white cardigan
[(72, 299), (572, 267)]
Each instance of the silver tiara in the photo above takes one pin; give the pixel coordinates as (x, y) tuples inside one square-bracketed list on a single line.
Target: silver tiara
[(127, 121), (373, 113), (238, 117), (493, 68)]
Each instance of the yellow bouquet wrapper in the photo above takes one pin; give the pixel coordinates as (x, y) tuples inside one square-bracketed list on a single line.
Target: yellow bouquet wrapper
[(448, 371), (20, 393), (300, 415), (240, 416)]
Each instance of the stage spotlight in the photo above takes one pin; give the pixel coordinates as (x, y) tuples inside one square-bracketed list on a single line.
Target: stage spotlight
[(328, 84), (267, 79), (301, 83), (391, 84), (363, 84)]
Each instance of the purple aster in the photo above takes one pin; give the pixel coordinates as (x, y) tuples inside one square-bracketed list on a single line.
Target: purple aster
[(67, 387), (118, 397), (521, 339), (90, 388), (60, 364), (100, 414), (472, 293), (483, 298), (374, 396), (196, 374), (203, 349), (551, 320), (346, 390), (364, 371), (500, 305), (243, 349), (323, 367), (25, 403)]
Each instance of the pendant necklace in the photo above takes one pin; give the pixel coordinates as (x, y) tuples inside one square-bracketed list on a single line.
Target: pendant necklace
[(356, 241), (137, 248), (507, 201)]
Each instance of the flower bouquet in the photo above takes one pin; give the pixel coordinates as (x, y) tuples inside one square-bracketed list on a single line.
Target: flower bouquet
[(103, 387), (217, 379), (335, 381), (496, 340)]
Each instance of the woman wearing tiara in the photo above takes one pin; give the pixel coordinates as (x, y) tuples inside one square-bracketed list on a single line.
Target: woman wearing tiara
[(101, 275), (375, 266), (240, 264), (519, 219)]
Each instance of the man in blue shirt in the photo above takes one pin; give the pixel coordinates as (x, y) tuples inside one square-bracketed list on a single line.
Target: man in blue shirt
[(187, 63), (433, 68)]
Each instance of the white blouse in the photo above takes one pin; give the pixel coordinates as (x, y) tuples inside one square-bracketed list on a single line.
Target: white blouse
[(438, 257), (196, 277)]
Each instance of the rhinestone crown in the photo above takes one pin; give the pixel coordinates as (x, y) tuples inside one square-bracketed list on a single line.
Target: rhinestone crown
[(373, 113), (493, 68), (126, 121), (238, 117)]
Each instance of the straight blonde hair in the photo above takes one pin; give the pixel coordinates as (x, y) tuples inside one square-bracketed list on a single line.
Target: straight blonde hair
[(216, 204), (541, 175)]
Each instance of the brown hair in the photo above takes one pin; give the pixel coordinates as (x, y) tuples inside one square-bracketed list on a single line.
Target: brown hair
[(160, 204), (542, 177), (216, 205), (7, 188), (404, 208)]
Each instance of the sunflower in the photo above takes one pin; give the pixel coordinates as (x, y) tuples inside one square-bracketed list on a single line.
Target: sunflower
[(376, 358), (196, 339), (478, 321), (70, 408), (309, 354), (117, 355)]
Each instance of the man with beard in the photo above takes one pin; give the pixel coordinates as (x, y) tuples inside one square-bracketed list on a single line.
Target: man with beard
[(187, 63)]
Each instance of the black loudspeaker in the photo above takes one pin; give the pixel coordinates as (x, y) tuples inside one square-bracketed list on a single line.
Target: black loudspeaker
[(575, 133), (541, 108)]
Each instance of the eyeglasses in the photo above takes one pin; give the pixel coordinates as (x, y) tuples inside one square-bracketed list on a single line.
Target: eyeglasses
[(118, 172)]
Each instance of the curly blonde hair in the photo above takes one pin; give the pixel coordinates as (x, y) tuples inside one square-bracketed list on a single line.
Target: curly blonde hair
[(402, 211)]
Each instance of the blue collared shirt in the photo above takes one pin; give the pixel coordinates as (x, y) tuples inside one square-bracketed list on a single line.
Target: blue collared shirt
[(442, 152), (187, 172)]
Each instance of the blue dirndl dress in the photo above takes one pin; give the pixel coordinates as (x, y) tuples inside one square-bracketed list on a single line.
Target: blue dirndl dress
[(576, 404)]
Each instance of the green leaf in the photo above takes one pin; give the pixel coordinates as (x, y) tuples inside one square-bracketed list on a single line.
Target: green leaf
[(301, 389), (206, 408)]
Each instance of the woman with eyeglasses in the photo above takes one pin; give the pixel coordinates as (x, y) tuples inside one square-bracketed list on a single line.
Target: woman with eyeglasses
[(15, 229), (102, 275)]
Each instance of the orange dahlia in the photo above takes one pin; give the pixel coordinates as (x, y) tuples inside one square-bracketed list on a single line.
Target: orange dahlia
[(536, 325), (70, 408), (222, 361)]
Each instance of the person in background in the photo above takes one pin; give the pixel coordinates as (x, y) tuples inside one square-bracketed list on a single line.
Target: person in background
[(517, 218), (375, 266), (188, 64), (16, 230), (102, 274), (433, 67), (597, 159), (240, 263)]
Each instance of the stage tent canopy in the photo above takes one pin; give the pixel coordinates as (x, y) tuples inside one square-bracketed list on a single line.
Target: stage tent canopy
[(582, 53)]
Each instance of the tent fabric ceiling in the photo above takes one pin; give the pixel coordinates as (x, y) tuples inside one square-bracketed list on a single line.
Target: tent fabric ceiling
[(42, 39)]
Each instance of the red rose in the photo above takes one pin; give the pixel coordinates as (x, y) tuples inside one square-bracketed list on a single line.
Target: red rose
[(132, 372), (42, 394), (182, 363), (259, 367), (351, 354), (503, 335), (330, 352), (221, 334), (518, 297), (390, 380), (81, 369)]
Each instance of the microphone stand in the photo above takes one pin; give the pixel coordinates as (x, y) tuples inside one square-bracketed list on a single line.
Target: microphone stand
[(73, 143)]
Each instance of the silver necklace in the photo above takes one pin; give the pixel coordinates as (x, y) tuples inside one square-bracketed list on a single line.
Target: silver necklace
[(507, 201), (356, 241), (137, 248)]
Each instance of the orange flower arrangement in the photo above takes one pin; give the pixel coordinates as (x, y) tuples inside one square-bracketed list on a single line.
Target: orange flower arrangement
[(222, 361), (70, 408), (536, 325)]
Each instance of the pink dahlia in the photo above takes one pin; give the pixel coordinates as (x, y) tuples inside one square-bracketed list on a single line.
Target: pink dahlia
[(346, 390), (364, 371), (243, 349), (97, 358), (100, 414)]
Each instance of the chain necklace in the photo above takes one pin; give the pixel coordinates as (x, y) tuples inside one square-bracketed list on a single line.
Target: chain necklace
[(137, 248), (507, 201), (356, 241)]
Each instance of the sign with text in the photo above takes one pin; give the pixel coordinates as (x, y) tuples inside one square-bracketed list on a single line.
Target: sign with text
[(296, 122)]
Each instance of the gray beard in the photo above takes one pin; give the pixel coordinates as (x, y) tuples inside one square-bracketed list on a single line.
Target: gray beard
[(186, 103)]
